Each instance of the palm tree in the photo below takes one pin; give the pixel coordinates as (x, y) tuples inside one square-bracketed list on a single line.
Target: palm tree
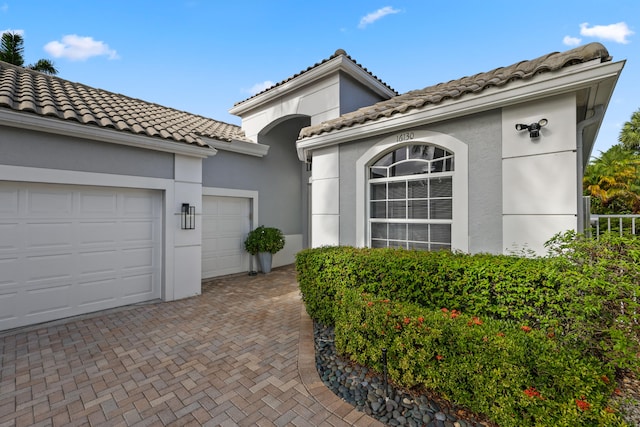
[(630, 133), (12, 51), (613, 181)]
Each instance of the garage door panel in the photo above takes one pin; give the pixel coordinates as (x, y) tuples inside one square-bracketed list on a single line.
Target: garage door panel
[(68, 250), (9, 302), (137, 258), (137, 285), (98, 262), (49, 235), (138, 231), (49, 299), (231, 226), (9, 201), (97, 292), (98, 204), (10, 232), (51, 203), (137, 206), (97, 233), (9, 272), (48, 268)]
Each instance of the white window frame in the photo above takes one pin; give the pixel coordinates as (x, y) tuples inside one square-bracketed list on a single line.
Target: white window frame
[(460, 221), (406, 179)]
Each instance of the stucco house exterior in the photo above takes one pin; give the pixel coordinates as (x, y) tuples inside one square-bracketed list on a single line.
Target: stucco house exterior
[(93, 183)]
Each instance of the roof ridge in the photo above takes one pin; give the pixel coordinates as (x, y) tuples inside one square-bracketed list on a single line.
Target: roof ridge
[(338, 52)]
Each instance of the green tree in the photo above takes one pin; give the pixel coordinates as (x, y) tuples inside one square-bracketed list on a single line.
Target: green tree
[(630, 133), (613, 181), (12, 51)]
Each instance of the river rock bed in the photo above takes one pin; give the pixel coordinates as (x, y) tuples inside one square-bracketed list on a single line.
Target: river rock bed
[(364, 389)]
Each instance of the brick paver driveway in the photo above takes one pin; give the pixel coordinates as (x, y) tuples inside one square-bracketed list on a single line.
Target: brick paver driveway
[(239, 354)]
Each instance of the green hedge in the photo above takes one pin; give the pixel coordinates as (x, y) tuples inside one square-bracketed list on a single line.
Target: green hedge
[(579, 304), (515, 376)]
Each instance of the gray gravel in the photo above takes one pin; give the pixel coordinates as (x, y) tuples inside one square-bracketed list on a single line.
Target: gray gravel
[(365, 390)]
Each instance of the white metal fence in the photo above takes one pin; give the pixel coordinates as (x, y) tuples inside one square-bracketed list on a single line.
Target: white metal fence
[(622, 224)]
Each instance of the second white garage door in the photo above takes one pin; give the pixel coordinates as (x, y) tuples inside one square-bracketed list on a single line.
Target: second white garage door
[(68, 250), (225, 223)]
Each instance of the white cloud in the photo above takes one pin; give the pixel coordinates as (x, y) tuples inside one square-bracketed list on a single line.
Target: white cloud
[(571, 41), (259, 87), (614, 32), (4, 7), (78, 48), (378, 14)]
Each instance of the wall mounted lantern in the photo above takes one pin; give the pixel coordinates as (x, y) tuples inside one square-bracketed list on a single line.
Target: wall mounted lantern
[(188, 217), (533, 128)]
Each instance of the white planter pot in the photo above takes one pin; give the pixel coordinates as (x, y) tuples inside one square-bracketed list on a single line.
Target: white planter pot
[(265, 261)]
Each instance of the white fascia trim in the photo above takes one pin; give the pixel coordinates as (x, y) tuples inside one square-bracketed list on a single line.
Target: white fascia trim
[(59, 176), (550, 84), (339, 63), (50, 125), (236, 146)]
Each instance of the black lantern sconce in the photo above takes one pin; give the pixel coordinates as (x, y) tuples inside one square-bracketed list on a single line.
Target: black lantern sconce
[(188, 217), (533, 128)]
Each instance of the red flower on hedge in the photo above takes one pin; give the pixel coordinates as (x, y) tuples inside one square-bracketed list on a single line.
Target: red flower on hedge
[(370, 303), (407, 320), (455, 314), (501, 334), (532, 392), (420, 319), (605, 379), (439, 357), (526, 328), (474, 321), (582, 404)]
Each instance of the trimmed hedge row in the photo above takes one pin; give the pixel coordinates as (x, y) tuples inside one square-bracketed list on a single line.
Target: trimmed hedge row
[(578, 309)]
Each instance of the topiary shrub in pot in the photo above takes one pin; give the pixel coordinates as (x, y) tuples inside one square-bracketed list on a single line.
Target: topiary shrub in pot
[(264, 241)]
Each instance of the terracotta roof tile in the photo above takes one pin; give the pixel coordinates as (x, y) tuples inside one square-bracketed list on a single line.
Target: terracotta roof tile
[(31, 92), (454, 89), (337, 53)]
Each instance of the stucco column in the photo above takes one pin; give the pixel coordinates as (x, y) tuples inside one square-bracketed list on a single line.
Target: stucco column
[(325, 197), (187, 243)]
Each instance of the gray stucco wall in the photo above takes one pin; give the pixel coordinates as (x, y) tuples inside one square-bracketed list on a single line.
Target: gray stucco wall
[(482, 133), (353, 95), (279, 177), (20, 147)]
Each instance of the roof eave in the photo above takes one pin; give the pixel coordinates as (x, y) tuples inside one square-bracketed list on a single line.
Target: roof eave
[(238, 146), (334, 65), (22, 120), (548, 84)]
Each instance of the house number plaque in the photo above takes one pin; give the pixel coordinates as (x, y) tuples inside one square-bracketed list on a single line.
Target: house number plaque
[(404, 136)]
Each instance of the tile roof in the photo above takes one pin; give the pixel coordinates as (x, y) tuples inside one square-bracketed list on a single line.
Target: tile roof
[(32, 92), (455, 89), (339, 52)]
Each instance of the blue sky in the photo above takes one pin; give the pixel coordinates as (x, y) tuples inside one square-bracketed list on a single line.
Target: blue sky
[(203, 56)]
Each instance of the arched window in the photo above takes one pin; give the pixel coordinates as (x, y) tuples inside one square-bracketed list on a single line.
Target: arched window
[(411, 198)]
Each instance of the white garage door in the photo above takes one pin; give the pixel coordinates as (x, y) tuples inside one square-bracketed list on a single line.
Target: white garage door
[(225, 225), (68, 250)]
